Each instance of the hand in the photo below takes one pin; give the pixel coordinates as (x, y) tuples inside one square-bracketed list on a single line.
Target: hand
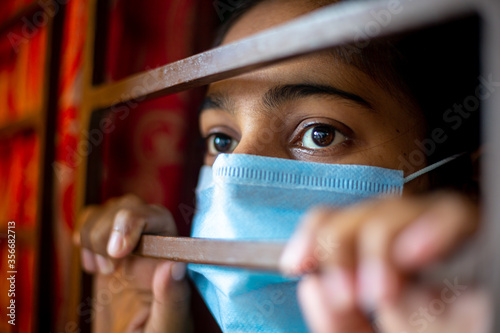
[(359, 258), (154, 296)]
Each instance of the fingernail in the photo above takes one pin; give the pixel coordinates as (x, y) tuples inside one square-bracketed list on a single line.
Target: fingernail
[(105, 265), (373, 279), (116, 243), (292, 255), (339, 288), (178, 271), (88, 260)]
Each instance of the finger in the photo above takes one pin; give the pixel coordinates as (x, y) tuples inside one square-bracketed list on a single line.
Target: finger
[(104, 264), (128, 225), (474, 312), (87, 213), (378, 280), (94, 231), (420, 310), (298, 256), (139, 271), (88, 261), (408, 314), (169, 311), (324, 238), (160, 221), (96, 221), (436, 232), (84, 222), (126, 230), (138, 322), (324, 312)]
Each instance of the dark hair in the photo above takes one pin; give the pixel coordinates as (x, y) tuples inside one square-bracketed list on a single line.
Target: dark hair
[(435, 68)]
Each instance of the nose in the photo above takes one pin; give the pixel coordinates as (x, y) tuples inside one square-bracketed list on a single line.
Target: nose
[(262, 141)]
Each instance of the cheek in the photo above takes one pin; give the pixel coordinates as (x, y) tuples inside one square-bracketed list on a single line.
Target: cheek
[(405, 152), (412, 157), (390, 143), (417, 185), (208, 160)]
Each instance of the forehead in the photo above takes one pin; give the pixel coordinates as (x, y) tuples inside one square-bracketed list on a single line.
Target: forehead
[(319, 68), (268, 14), (328, 67)]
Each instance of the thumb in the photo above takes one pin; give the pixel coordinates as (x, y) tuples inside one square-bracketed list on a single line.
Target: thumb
[(171, 297), (129, 224)]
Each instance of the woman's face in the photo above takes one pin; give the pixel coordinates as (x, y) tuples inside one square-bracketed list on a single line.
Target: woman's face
[(313, 108)]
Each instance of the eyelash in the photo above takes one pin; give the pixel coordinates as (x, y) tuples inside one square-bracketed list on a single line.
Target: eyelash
[(299, 135), (296, 138)]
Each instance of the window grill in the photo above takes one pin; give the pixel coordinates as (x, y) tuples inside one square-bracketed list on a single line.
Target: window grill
[(324, 28)]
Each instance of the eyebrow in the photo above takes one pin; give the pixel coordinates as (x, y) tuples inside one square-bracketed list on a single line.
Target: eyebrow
[(217, 101), (280, 95), (277, 96)]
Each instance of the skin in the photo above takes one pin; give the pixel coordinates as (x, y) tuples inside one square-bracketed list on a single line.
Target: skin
[(374, 135), (367, 270)]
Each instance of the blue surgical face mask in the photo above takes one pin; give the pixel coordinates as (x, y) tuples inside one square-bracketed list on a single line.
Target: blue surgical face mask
[(248, 197)]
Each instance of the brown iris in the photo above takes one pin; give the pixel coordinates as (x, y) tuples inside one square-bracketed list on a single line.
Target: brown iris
[(323, 135)]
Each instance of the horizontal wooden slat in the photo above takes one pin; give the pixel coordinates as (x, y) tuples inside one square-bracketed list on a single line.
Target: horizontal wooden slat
[(22, 236), (27, 11), (255, 255), (327, 27), (18, 126)]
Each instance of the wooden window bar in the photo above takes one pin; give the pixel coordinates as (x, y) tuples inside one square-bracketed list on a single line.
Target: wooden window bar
[(42, 123), (27, 10), (325, 28)]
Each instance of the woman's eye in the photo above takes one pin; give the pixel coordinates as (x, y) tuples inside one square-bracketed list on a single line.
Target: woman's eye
[(321, 136), (218, 143)]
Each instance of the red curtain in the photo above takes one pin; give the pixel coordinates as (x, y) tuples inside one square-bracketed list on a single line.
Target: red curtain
[(22, 64), (148, 151)]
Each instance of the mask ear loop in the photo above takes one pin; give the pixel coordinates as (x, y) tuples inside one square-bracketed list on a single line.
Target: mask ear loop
[(430, 167)]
